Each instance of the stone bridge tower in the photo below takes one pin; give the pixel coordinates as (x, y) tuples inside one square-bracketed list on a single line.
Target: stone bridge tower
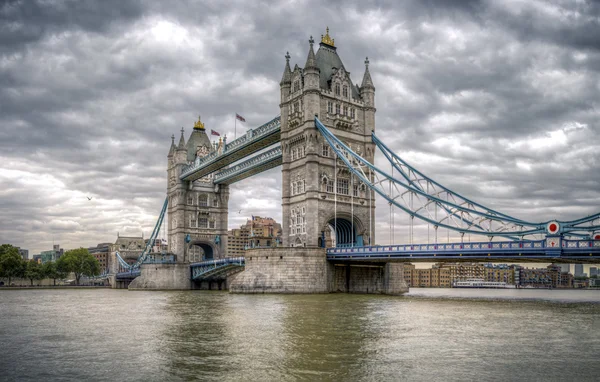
[(323, 204), (197, 211)]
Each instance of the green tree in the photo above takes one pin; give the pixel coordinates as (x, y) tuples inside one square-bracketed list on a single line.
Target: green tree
[(80, 262), (33, 271), (11, 263), (51, 271)]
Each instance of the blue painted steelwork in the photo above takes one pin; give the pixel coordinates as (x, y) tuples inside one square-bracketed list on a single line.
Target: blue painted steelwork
[(251, 142), (149, 244), (258, 163), (551, 249), (211, 268), (458, 213), (132, 274)]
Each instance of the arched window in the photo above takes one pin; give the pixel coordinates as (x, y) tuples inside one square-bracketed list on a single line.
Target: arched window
[(345, 93), (337, 89), (337, 108)]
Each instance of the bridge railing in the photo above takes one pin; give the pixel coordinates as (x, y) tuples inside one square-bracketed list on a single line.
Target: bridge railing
[(479, 246), (224, 261)]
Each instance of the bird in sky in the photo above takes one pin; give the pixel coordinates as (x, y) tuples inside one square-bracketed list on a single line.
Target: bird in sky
[(240, 211), (88, 198)]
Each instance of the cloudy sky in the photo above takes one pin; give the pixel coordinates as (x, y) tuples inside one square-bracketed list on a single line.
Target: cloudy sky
[(499, 100)]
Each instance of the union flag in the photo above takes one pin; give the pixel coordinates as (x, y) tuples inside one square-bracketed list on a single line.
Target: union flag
[(239, 117)]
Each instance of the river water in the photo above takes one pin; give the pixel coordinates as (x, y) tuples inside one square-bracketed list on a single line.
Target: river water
[(427, 335)]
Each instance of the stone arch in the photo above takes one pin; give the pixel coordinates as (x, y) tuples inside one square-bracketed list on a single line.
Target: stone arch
[(206, 249), (348, 231)]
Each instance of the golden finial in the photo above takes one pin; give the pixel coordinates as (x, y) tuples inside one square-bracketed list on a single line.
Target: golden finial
[(199, 124), (326, 39)]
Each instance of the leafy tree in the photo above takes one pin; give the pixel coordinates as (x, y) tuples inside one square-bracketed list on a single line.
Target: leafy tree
[(51, 271), (33, 271), (11, 263), (80, 262)]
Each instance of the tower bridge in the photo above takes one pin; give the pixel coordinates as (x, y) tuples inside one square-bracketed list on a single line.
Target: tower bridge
[(325, 142)]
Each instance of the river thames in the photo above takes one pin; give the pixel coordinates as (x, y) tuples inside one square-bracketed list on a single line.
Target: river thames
[(427, 335)]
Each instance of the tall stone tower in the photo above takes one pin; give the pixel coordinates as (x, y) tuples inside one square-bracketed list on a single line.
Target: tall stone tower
[(323, 204), (197, 211)]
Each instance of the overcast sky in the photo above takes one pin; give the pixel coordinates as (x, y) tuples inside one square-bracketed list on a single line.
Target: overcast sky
[(499, 100)]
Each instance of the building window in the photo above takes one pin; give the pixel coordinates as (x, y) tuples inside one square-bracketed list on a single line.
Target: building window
[(325, 149), (330, 107), (355, 190), (203, 200), (301, 150), (346, 110), (345, 91), (352, 113), (337, 108), (202, 222), (192, 222), (293, 153), (342, 186), (337, 89), (296, 85), (211, 224), (330, 186), (215, 202), (191, 200), (297, 107)]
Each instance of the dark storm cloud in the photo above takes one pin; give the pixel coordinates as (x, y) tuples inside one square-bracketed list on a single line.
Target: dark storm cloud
[(497, 100)]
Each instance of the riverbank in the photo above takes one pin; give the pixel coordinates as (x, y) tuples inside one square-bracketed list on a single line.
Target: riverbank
[(21, 287)]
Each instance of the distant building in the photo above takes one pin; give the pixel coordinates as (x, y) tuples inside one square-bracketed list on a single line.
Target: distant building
[(257, 232), (101, 253), (579, 270), (129, 248), (37, 258), (24, 253), (565, 268), (51, 255), (593, 271)]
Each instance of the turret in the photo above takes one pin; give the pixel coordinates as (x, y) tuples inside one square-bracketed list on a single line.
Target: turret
[(181, 152), (312, 94), (286, 79), (367, 93), (172, 148)]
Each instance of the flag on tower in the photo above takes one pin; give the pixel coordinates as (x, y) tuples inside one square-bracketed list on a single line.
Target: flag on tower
[(239, 117), (212, 132)]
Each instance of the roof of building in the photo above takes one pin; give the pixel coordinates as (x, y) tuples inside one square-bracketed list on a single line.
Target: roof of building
[(197, 139)]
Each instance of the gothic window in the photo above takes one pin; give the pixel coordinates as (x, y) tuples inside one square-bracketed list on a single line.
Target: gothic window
[(303, 210), (192, 222), (337, 89), (330, 186), (293, 153), (355, 190), (330, 107), (352, 113), (342, 186), (211, 224), (346, 110), (325, 149), (337, 108), (215, 202), (296, 86), (297, 107), (202, 222), (190, 200), (294, 188), (301, 150), (203, 200), (345, 91)]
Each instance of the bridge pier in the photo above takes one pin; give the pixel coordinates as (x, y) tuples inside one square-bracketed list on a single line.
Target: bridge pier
[(162, 277), (306, 270)]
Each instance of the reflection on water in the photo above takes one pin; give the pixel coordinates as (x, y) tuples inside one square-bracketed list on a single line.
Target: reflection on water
[(428, 335)]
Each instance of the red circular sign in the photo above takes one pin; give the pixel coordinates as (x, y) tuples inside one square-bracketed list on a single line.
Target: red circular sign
[(597, 237), (553, 227)]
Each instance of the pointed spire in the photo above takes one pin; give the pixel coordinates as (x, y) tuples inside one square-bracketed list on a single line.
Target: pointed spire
[(367, 82), (172, 148), (287, 73), (311, 62), (181, 145)]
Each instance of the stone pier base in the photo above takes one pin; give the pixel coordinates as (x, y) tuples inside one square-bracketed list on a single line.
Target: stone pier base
[(283, 270), (306, 270), (162, 277)]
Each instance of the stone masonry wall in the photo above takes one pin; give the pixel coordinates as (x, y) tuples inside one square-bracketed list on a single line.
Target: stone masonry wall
[(283, 270)]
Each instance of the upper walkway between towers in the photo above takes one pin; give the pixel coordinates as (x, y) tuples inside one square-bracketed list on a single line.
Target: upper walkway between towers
[(251, 142)]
